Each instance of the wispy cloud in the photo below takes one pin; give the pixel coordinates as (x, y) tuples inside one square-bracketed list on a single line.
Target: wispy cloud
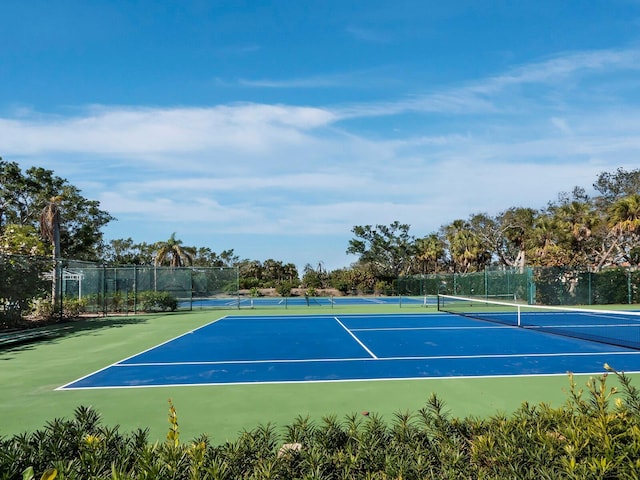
[(539, 83), (265, 169), (354, 79), (319, 81), (560, 67)]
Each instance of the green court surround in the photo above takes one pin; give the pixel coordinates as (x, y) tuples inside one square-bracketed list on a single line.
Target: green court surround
[(30, 373)]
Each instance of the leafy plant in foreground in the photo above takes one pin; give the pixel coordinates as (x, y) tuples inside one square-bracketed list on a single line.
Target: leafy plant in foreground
[(594, 435)]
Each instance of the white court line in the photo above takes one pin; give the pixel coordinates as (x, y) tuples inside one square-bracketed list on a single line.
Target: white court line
[(431, 357), (63, 387), (312, 316), (349, 380), (355, 338), (383, 329), (583, 325)]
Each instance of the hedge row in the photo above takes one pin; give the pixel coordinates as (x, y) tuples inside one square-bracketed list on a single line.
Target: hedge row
[(595, 434)]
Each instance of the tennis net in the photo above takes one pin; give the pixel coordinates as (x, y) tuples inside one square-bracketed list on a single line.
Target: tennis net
[(614, 327)]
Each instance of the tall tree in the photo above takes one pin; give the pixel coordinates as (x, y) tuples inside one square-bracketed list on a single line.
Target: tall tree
[(50, 231), (430, 253), (312, 277), (516, 225), (545, 250), (123, 251), (387, 250), (23, 196), (205, 257), (617, 185), (467, 249), (624, 223), (174, 253), (50, 225), (576, 222)]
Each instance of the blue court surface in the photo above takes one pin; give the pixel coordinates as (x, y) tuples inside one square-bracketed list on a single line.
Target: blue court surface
[(322, 348)]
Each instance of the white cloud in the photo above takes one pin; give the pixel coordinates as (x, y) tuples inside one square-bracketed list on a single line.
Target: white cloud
[(254, 169), (145, 132)]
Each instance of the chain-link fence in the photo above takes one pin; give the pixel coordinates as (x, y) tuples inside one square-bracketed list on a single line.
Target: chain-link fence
[(539, 285), (150, 288), (29, 284), (575, 286), (491, 283)]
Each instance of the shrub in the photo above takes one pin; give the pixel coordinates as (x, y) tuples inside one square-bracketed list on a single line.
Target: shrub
[(41, 307), (73, 307), (594, 435), (284, 288), (255, 292), (21, 281), (153, 301)]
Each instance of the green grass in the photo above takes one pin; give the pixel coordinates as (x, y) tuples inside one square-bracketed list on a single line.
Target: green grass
[(30, 373)]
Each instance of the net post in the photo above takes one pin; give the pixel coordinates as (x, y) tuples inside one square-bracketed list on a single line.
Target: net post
[(519, 316)]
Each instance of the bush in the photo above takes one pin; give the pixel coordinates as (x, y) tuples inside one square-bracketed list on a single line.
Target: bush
[(151, 301), (284, 289), (255, 292), (21, 281), (596, 435), (41, 307), (73, 307)]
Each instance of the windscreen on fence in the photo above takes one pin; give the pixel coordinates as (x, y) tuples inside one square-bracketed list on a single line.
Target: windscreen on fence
[(533, 285), (503, 283), (149, 288)]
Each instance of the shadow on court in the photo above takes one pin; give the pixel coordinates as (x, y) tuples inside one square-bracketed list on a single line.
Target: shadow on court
[(30, 338)]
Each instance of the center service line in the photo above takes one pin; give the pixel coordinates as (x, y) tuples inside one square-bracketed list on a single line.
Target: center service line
[(356, 338)]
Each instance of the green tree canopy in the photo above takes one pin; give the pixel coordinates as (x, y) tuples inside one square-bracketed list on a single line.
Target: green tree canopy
[(24, 195), (123, 251), (387, 249)]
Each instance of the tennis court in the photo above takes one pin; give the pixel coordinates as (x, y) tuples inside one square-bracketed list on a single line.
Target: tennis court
[(357, 347)]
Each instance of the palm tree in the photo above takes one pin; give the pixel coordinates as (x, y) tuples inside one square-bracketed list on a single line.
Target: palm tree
[(466, 247), (624, 215), (173, 252), (624, 223), (50, 231), (429, 251)]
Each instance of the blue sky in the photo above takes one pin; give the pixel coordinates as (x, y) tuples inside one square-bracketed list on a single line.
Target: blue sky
[(274, 127)]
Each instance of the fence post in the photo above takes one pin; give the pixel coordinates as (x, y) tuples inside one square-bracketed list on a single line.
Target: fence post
[(135, 289), (104, 290)]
